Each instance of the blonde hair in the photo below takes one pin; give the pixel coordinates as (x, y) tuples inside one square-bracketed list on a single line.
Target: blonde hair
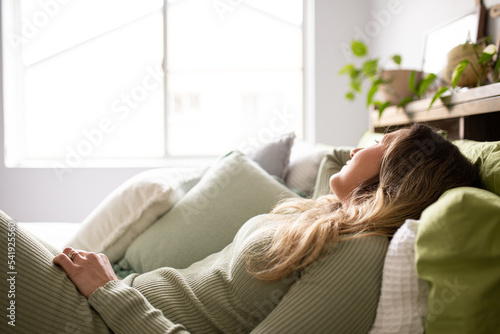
[(417, 168)]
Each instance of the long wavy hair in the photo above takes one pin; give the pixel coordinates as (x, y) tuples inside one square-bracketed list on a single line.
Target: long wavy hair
[(418, 166)]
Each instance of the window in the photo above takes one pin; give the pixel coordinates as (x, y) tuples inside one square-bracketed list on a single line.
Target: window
[(97, 83)]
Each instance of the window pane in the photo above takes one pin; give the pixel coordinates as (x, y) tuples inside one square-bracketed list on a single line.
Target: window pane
[(50, 27), (230, 71), (95, 89), (89, 80)]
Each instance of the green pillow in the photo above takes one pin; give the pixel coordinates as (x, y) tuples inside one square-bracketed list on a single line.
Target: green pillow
[(457, 252), (331, 164), (207, 218), (487, 154)]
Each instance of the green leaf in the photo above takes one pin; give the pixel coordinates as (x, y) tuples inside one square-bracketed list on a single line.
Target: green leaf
[(350, 96), (381, 108), (371, 93), (487, 54), (425, 84), (438, 95), (412, 84), (359, 48), (485, 58), (405, 101), (355, 75), (356, 84), (497, 68), (458, 71), (370, 68), (347, 69), (397, 59)]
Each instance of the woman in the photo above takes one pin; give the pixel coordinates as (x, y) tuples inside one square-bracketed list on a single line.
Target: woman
[(308, 266)]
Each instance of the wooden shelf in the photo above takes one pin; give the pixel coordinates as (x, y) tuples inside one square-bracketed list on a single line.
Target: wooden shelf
[(471, 114)]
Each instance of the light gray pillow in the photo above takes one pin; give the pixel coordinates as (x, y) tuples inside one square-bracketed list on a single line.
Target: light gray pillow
[(275, 155), (208, 217)]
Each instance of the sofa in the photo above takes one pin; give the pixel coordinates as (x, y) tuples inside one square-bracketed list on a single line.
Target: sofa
[(441, 273)]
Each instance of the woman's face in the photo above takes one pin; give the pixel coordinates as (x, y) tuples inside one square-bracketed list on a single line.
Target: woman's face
[(364, 165)]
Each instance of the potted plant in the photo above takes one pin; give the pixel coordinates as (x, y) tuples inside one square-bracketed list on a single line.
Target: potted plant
[(394, 87), (469, 65)]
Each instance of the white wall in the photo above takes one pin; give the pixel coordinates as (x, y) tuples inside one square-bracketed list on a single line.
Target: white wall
[(411, 25), (338, 121), (37, 195)]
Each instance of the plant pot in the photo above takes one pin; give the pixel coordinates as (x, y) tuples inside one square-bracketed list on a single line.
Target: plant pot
[(460, 53), (398, 87)]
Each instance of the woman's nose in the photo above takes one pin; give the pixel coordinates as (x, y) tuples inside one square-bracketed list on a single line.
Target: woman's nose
[(355, 150)]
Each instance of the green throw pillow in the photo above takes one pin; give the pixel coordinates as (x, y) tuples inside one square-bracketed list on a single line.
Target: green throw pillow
[(487, 154), (207, 218), (458, 253)]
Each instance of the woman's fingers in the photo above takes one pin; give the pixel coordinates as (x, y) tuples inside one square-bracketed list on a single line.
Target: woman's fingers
[(88, 271), (63, 261), (68, 250), (66, 258)]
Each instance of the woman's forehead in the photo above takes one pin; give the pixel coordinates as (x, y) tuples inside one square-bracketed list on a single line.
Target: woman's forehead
[(393, 135)]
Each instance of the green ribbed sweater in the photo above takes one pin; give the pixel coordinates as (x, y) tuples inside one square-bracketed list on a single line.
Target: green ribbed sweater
[(336, 294)]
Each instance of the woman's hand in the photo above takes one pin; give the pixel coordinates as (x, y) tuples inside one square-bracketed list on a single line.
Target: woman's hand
[(88, 271)]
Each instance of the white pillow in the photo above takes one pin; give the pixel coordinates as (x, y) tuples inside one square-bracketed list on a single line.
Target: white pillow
[(131, 208), (403, 300), (305, 160)]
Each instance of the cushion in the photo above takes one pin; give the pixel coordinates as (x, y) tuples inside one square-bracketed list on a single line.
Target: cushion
[(403, 299), (369, 138), (331, 163), (458, 253), (305, 160), (487, 155), (131, 208), (207, 218), (274, 155)]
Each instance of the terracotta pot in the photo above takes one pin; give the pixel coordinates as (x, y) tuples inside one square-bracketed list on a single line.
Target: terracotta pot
[(398, 87), (455, 56)]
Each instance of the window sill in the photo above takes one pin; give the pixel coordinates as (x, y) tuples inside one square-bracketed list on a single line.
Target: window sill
[(111, 163)]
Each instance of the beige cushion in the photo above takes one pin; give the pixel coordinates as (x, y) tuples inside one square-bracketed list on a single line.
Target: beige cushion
[(131, 208)]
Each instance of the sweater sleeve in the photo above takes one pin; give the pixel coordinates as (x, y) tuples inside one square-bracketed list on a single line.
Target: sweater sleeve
[(126, 310), (339, 293)]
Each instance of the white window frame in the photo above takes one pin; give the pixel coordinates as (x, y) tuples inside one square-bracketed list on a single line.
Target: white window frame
[(12, 72)]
